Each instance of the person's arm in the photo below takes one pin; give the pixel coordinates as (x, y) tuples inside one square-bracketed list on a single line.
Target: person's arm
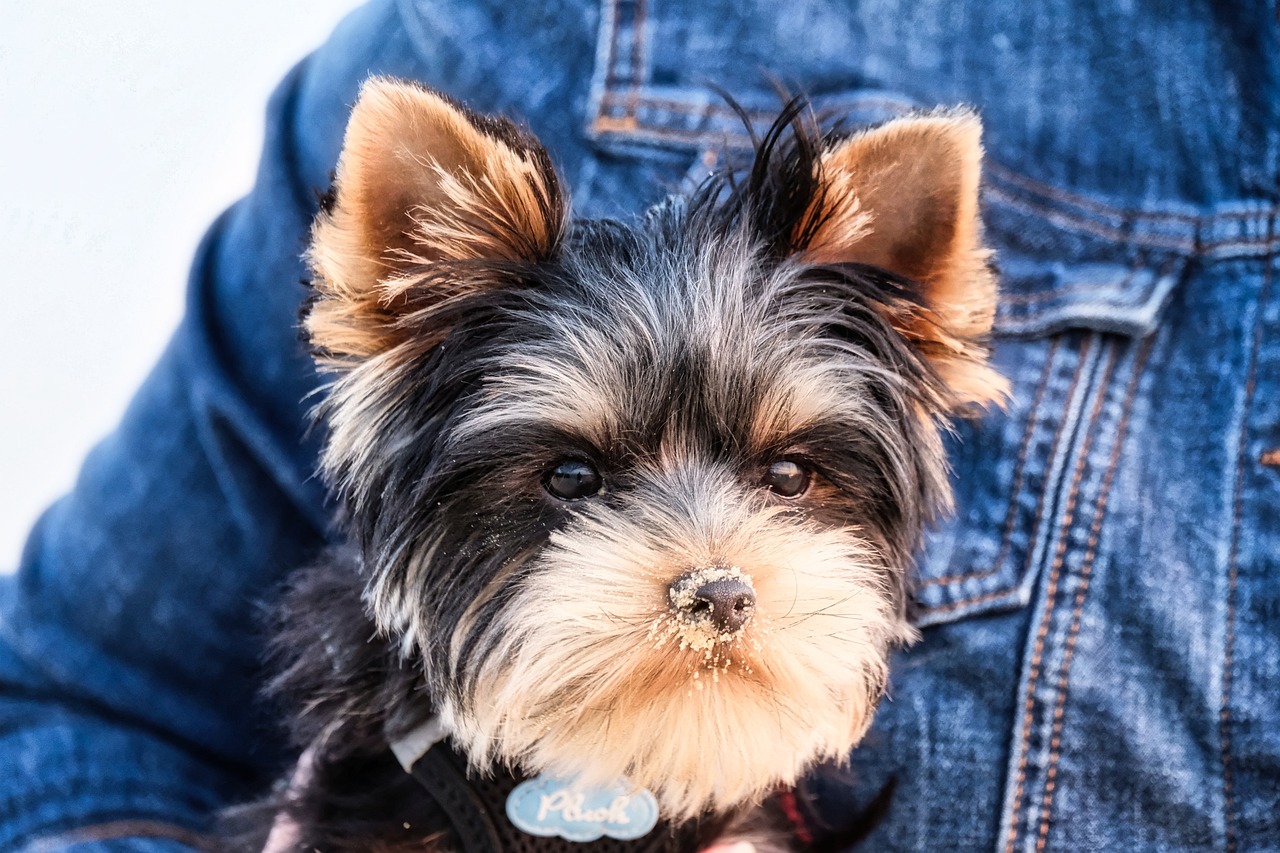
[(129, 640)]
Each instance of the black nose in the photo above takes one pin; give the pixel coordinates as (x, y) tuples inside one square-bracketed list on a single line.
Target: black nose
[(726, 603)]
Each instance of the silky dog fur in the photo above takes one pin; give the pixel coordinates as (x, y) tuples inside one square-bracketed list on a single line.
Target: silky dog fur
[(549, 434)]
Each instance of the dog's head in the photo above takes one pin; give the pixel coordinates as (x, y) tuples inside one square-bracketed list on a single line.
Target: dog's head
[(641, 498)]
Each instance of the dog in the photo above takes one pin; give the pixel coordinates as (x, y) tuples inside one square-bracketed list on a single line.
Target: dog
[(626, 504)]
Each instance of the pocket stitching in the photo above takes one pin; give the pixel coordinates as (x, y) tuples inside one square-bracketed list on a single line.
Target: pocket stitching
[(1078, 217), (1051, 593), (1067, 290), (1085, 347), (1230, 814), (1018, 480), (1086, 572)]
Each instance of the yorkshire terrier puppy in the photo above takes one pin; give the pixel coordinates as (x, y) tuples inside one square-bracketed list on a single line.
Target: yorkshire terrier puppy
[(628, 503)]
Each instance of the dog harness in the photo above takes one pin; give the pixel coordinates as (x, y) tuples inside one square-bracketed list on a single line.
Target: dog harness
[(476, 807)]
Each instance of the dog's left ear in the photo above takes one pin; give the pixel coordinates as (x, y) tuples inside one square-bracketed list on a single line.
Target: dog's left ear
[(904, 197), (422, 182)]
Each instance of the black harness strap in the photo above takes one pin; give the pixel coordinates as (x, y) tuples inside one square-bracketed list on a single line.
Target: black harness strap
[(461, 804), (476, 809)]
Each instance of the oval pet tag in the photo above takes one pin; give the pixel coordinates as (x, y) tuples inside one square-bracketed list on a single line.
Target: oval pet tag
[(546, 806)]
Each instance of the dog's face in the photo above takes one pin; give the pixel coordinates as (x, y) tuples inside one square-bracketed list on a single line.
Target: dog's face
[(641, 498)]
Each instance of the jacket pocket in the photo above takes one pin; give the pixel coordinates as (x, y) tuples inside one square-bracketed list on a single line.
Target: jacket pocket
[(1063, 336)]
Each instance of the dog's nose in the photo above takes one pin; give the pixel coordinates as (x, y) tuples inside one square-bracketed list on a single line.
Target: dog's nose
[(719, 597)]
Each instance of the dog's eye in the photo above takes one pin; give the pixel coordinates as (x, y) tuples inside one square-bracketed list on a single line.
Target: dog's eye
[(786, 478), (572, 479)]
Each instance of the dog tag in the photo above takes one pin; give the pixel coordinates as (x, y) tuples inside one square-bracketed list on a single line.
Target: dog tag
[(546, 806)]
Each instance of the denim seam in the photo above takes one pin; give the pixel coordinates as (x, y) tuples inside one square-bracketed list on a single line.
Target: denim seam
[(709, 108), (1035, 296), (611, 69), (1051, 594), (639, 46), (1077, 612), (952, 606), (1085, 346), (1233, 565), (634, 97), (117, 829), (1066, 221), (629, 97), (1124, 234), (1019, 473), (671, 134), (1067, 197)]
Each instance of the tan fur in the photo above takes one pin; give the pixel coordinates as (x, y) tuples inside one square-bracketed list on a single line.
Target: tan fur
[(904, 197), (417, 182), (591, 673), (595, 678)]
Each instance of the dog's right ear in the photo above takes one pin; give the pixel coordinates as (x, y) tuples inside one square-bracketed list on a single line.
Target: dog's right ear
[(421, 182), (904, 197)]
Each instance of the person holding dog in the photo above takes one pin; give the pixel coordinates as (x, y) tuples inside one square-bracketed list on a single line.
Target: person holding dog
[(1099, 629)]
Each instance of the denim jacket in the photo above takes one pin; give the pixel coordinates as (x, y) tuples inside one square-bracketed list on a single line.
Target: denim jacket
[(1100, 662)]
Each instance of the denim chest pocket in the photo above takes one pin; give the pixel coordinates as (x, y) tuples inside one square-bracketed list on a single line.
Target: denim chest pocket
[(1071, 337), (1072, 340)]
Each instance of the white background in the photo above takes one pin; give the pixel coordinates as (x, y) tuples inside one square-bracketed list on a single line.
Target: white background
[(125, 127)]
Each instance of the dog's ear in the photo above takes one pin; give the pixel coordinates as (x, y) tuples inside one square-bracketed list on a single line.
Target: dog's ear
[(421, 181), (904, 197)]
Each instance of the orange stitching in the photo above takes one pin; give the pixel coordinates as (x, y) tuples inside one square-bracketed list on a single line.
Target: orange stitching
[(606, 124), (680, 134), (599, 122), (1085, 203), (764, 116), (1233, 564), (1066, 220), (1085, 346), (1077, 611), (634, 98), (121, 829), (1123, 235), (1057, 438), (1050, 594), (975, 599), (1012, 513)]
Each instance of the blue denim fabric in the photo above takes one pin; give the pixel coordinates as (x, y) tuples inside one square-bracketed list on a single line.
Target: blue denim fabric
[(1100, 666)]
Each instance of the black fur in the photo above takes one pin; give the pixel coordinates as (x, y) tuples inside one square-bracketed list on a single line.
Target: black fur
[(478, 499)]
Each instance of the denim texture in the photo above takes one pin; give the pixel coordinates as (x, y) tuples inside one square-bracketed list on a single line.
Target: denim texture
[(1100, 663)]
